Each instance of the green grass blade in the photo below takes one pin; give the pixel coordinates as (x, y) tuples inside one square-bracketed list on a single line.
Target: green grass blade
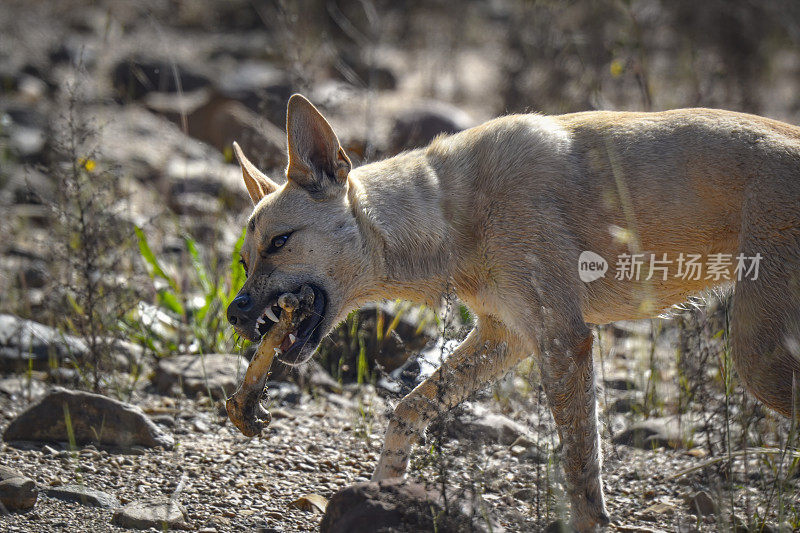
[(155, 269)]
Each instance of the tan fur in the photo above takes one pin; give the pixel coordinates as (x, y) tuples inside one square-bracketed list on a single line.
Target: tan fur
[(501, 212)]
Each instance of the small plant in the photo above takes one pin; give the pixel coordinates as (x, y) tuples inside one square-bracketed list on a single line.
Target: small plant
[(90, 298), (189, 316)]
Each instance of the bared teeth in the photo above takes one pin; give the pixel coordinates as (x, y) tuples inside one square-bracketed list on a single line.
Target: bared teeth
[(260, 320), (271, 314)]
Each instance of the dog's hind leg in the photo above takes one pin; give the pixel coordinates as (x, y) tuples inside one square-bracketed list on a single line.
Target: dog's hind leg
[(568, 381), (765, 325), (487, 353)]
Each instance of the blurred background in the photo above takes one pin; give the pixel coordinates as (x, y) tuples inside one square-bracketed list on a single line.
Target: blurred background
[(123, 212)]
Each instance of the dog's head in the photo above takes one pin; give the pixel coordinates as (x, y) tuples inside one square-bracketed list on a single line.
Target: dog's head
[(300, 233)]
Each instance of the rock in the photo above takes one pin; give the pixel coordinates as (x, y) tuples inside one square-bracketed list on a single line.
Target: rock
[(159, 513), (657, 512), (218, 120), (27, 185), (407, 335), (199, 176), (17, 492), (524, 448), (318, 378), (215, 374), (134, 77), (629, 328), (164, 420), (310, 503), (620, 382), (283, 392), (25, 342), (370, 72), (93, 418), (477, 423), (557, 526), (76, 50), (701, 504), (418, 126), (145, 143), (22, 388), (68, 377), (633, 401), (23, 127), (83, 495), (399, 505), (26, 142), (655, 433), (260, 86), (418, 367)]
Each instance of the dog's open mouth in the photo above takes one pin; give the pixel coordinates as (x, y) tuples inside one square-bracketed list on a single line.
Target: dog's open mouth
[(295, 328), (306, 333)]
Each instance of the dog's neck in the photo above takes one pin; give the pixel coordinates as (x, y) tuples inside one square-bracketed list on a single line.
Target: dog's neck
[(398, 205)]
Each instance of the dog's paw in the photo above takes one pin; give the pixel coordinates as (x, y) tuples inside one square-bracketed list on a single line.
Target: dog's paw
[(387, 469), (589, 512)]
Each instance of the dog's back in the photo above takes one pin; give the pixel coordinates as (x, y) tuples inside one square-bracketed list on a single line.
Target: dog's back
[(708, 183)]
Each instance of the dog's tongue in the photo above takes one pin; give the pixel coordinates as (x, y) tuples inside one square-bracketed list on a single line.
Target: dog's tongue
[(244, 407), (286, 344)]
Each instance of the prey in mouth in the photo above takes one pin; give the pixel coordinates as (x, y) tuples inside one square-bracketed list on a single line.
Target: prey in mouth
[(305, 334), (282, 331)]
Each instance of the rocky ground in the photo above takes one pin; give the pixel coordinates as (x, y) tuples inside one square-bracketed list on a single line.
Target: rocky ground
[(126, 111), (665, 473)]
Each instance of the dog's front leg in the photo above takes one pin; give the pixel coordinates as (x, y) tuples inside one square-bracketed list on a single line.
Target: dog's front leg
[(486, 354), (568, 380)]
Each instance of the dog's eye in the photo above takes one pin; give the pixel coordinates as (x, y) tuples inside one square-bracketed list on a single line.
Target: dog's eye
[(277, 243)]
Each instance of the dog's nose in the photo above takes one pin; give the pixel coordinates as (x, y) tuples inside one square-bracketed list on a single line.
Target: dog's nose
[(240, 304)]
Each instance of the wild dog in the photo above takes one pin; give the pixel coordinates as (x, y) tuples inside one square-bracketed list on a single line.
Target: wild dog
[(502, 213)]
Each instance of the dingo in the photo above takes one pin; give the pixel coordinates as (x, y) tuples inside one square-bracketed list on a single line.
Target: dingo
[(502, 213)]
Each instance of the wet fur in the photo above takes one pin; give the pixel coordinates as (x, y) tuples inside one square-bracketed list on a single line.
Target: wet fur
[(501, 212)]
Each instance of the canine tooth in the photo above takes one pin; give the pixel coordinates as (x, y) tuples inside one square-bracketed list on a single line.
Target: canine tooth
[(292, 338), (278, 352), (271, 314), (260, 320)]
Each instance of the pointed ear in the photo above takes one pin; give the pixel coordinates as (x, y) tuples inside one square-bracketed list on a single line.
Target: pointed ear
[(258, 185), (317, 161)]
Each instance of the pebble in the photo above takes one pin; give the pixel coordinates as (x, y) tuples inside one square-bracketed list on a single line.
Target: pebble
[(18, 493), (83, 495), (156, 513)]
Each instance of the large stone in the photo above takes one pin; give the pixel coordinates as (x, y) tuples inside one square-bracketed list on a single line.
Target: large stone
[(218, 121), (418, 126), (83, 495), (400, 505), (92, 419), (22, 387), (27, 185), (17, 492), (390, 335), (364, 69), (134, 77), (667, 432), (159, 513), (25, 342), (260, 86), (477, 423), (214, 374)]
